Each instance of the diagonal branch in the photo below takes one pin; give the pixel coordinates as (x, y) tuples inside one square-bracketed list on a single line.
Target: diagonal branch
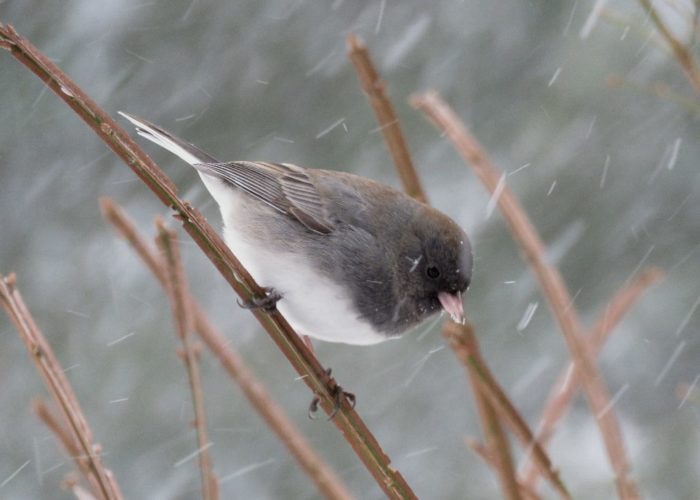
[(327, 482), (485, 454), (496, 439), (56, 382), (374, 89), (65, 437), (550, 280), (304, 362), (463, 342), (180, 301), (568, 381), (682, 52)]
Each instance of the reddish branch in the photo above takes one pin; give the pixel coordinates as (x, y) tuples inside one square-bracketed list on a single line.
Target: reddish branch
[(181, 301), (375, 90), (463, 342), (568, 381), (496, 439), (548, 276), (304, 362), (485, 454), (89, 457)]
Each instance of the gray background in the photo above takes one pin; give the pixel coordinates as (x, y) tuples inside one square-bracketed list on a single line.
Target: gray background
[(262, 80)]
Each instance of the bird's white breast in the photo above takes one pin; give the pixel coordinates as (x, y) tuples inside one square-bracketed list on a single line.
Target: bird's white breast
[(313, 304)]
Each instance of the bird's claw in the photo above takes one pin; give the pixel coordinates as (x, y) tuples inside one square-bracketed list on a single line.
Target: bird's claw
[(338, 394), (268, 303)]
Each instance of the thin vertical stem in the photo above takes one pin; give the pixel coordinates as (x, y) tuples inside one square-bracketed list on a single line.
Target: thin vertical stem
[(375, 90), (181, 304)]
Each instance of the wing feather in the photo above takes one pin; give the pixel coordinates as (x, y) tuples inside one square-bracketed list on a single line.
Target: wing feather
[(284, 187)]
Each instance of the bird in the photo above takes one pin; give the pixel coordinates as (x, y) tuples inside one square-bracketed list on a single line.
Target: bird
[(344, 258)]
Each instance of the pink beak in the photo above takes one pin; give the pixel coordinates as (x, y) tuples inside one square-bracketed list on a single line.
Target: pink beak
[(452, 304)]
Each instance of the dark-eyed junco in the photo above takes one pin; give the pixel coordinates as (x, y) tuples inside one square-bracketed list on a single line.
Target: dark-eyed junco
[(353, 260)]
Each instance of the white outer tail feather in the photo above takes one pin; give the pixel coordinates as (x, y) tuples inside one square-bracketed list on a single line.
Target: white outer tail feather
[(163, 141), (220, 191)]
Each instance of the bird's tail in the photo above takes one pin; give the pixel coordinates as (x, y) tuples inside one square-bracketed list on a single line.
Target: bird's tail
[(188, 152)]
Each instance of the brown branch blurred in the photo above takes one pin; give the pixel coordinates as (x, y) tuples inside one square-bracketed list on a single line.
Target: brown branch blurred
[(568, 381), (496, 440), (61, 391), (64, 436), (463, 342), (180, 302), (485, 454), (375, 89), (313, 374), (327, 482), (550, 280), (681, 51)]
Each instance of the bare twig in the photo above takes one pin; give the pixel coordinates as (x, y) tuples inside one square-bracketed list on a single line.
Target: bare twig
[(180, 301), (462, 341), (548, 276), (304, 362), (50, 369), (485, 454), (568, 381), (682, 52), (374, 88), (496, 439), (65, 437), (327, 482)]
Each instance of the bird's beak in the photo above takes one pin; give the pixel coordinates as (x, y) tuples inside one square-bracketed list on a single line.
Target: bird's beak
[(452, 304)]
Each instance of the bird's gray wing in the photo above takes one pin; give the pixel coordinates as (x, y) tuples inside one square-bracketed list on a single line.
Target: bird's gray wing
[(285, 187)]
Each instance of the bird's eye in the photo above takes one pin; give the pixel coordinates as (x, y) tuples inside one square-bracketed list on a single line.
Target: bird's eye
[(432, 272)]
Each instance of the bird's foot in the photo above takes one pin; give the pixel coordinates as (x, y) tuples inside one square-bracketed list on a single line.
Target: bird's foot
[(268, 303), (338, 394)]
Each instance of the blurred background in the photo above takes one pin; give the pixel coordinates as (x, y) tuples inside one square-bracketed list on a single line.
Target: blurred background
[(604, 163)]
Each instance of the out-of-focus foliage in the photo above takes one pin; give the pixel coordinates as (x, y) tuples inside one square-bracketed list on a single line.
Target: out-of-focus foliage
[(608, 174)]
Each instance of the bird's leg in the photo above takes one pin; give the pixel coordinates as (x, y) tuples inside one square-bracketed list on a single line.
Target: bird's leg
[(337, 393), (268, 303)]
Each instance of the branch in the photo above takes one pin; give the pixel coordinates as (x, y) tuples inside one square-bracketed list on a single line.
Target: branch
[(485, 454), (180, 301), (374, 89), (64, 436), (568, 381), (327, 482), (304, 362), (682, 52), (497, 441), (78, 491), (550, 280), (463, 342), (56, 382)]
